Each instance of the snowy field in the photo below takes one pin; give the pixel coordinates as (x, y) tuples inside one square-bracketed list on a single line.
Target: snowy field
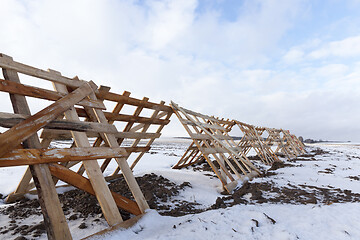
[(336, 169)]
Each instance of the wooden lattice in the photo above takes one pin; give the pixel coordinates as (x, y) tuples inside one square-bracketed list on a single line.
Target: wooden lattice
[(284, 143), (293, 142), (252, 139), (211, 138), (81, 103)]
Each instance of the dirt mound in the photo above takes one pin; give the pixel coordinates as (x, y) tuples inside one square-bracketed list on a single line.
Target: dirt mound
[(78, 204), (268, 192), (276, 165), (319, 151)]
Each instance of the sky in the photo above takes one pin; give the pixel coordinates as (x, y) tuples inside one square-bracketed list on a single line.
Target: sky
[(275, 63)]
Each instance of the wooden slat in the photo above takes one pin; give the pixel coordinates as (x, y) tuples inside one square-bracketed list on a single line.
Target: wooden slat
[(20, 157), (106, 201), (9, 120), (204, 125), (64, 134), (54, 218), (127, 173), (76, 180), (137, 119), (17, 88), (28, 127), (131, 101), (9, 64), (203, 136)]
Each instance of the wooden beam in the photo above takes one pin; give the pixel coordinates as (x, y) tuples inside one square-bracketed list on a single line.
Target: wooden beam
[(65, 134), (103, 195), (20, 157), (78, 181), (9, 120), (54, 218), (127, 173), (131, 101), (9, 64), (31, 125), (17, 88)]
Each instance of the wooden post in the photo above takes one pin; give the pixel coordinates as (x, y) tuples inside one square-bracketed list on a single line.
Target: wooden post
[(54, 217), (103, 194)]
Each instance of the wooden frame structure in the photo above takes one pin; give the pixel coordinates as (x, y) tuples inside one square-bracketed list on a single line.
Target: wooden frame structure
[(211, 139), (252, 139), (78, 112), (293, 142), (286, 143)]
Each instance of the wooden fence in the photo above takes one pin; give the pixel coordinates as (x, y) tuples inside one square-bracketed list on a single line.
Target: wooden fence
[(75, 109)]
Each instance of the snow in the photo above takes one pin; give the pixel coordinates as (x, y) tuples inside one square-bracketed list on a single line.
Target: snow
[(238, 222), (312, 221)]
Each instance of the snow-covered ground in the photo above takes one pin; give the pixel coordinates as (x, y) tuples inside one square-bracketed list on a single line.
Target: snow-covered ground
[(252, 221)]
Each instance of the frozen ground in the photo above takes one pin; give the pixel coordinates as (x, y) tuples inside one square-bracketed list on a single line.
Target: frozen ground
[(336, 168)]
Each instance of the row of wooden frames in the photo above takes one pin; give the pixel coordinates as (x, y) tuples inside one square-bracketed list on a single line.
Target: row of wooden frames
[(74, 109), (227, 157)]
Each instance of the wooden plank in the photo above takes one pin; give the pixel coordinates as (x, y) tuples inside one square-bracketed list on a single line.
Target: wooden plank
[(28, 127), (204, 125), (24, 90), (9, 64), (9, 120), (136, 119), (131, 101), (54, 218), (78, 181), (126, 129), (65, 134), (20, 157), (150, 141), (127, 118), (204, 136), (127, 173), (92, 168), (141, 125)]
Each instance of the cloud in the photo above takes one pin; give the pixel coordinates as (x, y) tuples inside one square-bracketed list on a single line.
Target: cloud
[(293, 56), (170, 50), (348, 47)]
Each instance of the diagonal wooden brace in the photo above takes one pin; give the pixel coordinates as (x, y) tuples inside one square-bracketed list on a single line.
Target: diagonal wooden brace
[(26, 128)]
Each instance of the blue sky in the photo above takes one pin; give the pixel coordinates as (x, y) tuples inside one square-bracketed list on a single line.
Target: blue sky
[(291, 64)]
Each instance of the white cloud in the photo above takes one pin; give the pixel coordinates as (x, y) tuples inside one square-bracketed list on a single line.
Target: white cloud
[(348, 47), (168, 50), (293, 56)]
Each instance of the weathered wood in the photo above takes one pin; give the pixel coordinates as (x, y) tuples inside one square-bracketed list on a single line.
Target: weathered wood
[(54, 218), (20, 157), (127, 173), (28, 127), (9, 120), (131, 101), (210, 135), (24, 90), (92, 168), (126, 118), (9, 64), (152, 139), (76, 180), (65, 134), (202, 136)]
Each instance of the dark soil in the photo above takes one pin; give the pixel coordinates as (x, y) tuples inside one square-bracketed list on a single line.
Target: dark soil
[(161, 193), (354, 178), (157, 190), (268, 192), (276, 165), (319, 151)]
